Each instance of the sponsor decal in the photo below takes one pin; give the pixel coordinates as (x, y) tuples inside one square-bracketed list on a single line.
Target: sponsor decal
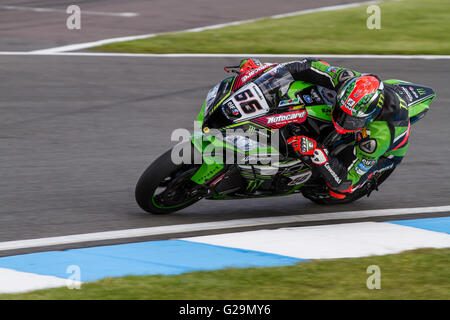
[(290, 102), (421, 91), (359, 171), (217, 180), (251, 73), (231, 110), (346, 74), (350, 103), (230, 104), (300, 178), (368, 163), (241, 143), (368, 146), (319, 157), (332, 69), (333, 174), (391, 166), (307, 98), (301, 106), (413, 92), (259, 94), (406, 91), (244, 77), (315, 96), (364, 166)]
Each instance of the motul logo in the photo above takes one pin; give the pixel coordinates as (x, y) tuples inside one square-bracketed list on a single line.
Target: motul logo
[(252, 73), (286, 117)]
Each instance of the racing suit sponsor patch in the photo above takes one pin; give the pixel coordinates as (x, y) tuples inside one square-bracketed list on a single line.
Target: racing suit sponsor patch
[(332, 173), (319, 157), (346, 74), (368, 146), (361, 168), (332, 69)]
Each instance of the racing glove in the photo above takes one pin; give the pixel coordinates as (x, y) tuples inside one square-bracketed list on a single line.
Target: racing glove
[(308, 147), (334, 173)]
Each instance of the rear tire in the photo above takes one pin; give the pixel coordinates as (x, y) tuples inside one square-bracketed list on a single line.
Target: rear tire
[(174, 179)]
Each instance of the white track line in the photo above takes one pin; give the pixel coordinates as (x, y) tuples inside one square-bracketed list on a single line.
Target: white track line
[(13, 281), (81, 46), (223, 55), (215, 225), (331, 241), (83, 12)]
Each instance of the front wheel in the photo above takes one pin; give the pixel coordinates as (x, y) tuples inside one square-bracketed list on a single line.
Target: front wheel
[(165, 187)]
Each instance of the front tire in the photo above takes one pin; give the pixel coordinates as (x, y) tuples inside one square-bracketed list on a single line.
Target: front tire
[(165, 187)]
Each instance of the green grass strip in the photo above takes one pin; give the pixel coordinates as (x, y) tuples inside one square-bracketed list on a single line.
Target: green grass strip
[(419, 274), (407, 27)]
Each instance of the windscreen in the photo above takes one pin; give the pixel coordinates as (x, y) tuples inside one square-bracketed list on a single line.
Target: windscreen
[(275, 84), (217, 93)]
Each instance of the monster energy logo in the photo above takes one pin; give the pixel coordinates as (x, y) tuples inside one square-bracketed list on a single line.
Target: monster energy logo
[(380, 101), (251, 130), (333, 174), (254, 185), (421, 91), (403, 104)]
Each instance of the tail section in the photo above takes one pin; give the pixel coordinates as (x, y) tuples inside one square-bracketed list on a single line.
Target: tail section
[(417, 97)]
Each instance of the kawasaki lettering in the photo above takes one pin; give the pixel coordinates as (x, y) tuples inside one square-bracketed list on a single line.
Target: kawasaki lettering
[(333, 174)]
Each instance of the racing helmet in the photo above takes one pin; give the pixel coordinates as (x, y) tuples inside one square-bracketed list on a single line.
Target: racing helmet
[(358, 101)]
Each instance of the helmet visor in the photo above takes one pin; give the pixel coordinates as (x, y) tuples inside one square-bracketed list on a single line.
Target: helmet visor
[(345, 123)]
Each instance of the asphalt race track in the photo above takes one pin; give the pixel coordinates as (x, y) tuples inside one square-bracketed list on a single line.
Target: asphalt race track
[(77, 132), (24, 27)]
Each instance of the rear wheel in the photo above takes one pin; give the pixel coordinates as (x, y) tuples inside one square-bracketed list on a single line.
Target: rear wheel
[(166, 187)]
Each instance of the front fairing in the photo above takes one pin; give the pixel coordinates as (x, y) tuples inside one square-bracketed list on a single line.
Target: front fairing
[(245, 96)]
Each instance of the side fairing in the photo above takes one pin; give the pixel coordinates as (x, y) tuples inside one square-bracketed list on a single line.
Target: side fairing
[(316, 99), (417, 97)]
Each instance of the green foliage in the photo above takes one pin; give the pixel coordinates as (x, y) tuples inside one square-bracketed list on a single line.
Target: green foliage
[(407, 27)]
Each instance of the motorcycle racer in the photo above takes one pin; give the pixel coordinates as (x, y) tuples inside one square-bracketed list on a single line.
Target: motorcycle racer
[(364, 106)]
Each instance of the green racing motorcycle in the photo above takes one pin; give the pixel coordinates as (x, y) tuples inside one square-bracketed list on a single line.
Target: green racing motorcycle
[(250, 115)]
